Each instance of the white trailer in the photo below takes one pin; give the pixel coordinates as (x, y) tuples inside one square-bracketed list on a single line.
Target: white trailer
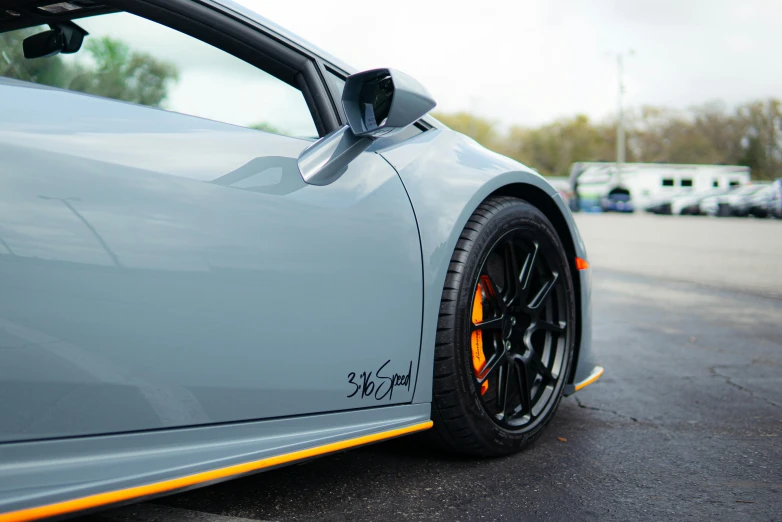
[(648, 182)]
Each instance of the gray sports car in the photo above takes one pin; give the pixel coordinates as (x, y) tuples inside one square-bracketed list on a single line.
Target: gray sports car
[(222, 250)]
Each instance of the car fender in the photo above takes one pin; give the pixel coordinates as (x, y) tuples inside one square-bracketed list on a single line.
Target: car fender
[(447, 176)]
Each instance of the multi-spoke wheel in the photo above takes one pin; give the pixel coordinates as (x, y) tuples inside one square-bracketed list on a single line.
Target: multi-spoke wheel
[(505, 333)]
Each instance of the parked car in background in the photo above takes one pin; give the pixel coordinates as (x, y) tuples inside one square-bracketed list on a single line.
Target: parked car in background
[(617, 202), (689, 204), (648, 182), (659, 206), (774, 203), (761, 202), (680, 203), (740, 204), (730, 203)]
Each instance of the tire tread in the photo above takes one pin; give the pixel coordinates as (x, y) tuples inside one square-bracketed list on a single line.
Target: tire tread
[(454, 428)]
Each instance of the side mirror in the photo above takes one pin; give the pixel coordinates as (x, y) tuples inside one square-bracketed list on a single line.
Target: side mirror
[(377, 103), (383, 101)]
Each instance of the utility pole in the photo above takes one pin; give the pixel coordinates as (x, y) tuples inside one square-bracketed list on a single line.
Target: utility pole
[(772, 140), (620, 129), (620, 125)]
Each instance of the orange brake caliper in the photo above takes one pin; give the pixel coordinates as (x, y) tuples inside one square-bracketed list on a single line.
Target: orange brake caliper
[(476, 339)]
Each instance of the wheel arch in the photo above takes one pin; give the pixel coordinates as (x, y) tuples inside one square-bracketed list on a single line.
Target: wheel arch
[(447, 177)]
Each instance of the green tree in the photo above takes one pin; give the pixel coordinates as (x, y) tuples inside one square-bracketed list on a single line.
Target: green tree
[(480, 129), (752, 155), (552, 148), (750, 135), (123, 74), (762, 142), (47, 71), (723, 130), (267, 127), (668, 136), (111, 69)]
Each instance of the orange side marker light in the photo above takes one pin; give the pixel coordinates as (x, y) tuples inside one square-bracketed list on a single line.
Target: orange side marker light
[(581, 264)]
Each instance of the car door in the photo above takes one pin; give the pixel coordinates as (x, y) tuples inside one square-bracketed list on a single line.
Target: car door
[(166, 267)]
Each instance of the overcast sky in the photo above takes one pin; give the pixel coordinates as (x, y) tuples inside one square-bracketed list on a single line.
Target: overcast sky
[(531, 61)]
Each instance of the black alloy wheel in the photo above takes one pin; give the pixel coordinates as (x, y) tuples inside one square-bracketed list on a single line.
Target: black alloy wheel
[(524, 333), (506, 329)]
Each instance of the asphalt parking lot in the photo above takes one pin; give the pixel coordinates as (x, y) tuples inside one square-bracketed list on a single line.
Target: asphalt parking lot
[(685, 424)]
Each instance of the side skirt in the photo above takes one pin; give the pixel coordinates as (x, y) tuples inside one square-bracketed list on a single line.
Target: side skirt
[(58, 477)]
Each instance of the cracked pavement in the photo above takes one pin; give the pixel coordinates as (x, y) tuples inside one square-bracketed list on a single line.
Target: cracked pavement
[(686, 423), (582, 405), (729, 380)]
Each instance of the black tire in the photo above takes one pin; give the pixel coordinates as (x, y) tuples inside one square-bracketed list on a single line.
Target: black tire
[(465, 419)]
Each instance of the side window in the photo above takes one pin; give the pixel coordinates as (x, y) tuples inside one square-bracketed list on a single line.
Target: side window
[(667, 182), (132, 59), (337, 82)]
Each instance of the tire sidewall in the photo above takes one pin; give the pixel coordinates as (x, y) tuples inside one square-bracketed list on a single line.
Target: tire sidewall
[(517, 216)]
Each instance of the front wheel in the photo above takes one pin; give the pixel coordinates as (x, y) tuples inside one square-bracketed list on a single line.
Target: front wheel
[(506, 331)]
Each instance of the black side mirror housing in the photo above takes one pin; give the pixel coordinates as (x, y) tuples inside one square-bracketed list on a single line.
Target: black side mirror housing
[(381, 102)]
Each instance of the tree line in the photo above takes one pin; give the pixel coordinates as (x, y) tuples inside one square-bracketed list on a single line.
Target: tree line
[(111, 69), (107, 67), (749, 135)]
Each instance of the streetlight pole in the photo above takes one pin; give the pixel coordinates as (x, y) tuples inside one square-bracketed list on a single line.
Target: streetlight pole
[(620, 130), (620, 125)]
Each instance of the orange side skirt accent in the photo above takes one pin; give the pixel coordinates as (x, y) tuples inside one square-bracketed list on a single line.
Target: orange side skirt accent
[(112, 497), (595, 375)]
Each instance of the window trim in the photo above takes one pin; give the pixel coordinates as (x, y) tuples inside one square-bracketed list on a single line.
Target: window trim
[(336, 98), (250, 43), (32, 17)]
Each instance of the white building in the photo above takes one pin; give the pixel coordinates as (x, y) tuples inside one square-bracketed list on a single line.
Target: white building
[(647, 182)]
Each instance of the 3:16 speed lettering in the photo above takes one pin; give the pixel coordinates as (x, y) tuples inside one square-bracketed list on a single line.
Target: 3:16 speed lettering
[(381, 386)]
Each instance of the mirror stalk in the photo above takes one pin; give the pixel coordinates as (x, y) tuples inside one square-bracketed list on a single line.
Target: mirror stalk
[(328, 158)]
